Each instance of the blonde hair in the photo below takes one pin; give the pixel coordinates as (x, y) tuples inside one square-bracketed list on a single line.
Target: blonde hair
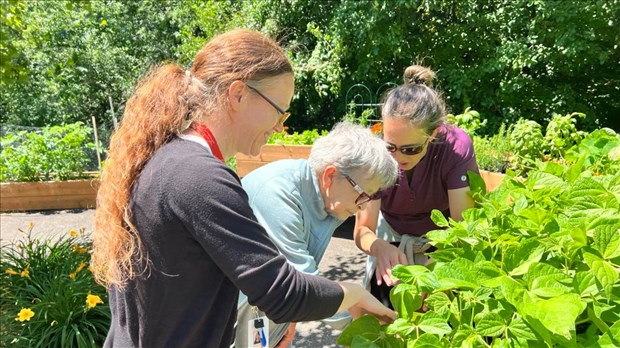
[(164, 103)]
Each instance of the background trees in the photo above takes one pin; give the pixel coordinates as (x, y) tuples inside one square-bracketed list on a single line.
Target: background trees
[(64, 61)]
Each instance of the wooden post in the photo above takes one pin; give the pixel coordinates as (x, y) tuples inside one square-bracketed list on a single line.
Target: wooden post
[(96, 142)]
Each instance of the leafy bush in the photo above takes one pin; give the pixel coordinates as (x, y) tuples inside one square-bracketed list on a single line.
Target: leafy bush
[(493, 152), (48, 296), (562, 134), (58, 152), (534, 264), (306, 137)]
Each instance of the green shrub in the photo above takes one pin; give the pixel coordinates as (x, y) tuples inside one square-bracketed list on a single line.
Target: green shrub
[(493, 152), (534, 264), (306, 137), (48, 296), (562, 134), (58, 152)]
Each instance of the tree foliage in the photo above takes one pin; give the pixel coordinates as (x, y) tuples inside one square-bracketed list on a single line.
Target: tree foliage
[(508, 59)]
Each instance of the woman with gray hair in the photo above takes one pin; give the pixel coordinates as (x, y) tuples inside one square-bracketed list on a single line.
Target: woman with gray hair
[(301, 202)]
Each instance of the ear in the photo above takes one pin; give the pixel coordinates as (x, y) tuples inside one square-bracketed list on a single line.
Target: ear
[(329, 174), (235, 93)]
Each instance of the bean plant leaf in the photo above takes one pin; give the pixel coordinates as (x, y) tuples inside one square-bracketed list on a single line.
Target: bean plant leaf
[(363, 342), (456, 274), (547, 281), (607, 240), (438, 218), (406, 299), (490, 324), (517, 259), (408, 273), (611, 338), (520, 330), (557, 314), (604, 272), (426, 341), (366, 326), (435, 323), (585, 283), (438, 302)]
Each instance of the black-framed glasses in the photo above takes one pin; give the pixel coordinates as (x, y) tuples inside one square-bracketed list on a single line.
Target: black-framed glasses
[(408, 150), (284, 114), (363, 197)]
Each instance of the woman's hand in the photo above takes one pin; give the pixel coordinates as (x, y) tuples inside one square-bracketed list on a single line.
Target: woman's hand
[(289, 336), (387, 256), (362, 302)]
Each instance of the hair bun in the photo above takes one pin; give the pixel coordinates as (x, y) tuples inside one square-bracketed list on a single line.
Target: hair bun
[(419, 75)]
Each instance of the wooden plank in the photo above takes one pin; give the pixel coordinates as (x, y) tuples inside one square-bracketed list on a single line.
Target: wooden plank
[(35, 189), (49, 202), (491, 179)]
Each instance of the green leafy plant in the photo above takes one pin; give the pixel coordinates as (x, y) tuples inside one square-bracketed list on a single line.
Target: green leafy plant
[(493, 152), (469, 121), (49, 298), (58, 152), (562, 134), (526, 143), (535, 264), (306, 137)]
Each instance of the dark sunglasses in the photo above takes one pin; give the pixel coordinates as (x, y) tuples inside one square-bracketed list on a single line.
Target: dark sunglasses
[(285, 114), (363, 197), (408, 150)]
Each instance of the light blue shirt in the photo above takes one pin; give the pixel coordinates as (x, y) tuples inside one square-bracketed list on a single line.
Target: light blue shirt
[(286, 200)]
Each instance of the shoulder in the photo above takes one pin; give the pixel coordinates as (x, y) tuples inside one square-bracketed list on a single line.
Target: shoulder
[(455, 141), (282, 174)]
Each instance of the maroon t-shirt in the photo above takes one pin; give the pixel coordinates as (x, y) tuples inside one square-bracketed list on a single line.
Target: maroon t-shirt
[(407, 207)]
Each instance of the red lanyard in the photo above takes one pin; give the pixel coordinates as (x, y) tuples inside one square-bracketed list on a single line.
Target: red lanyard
[(206, 134)]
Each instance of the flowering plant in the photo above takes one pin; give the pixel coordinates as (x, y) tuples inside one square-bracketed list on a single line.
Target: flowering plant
[(48, 297)]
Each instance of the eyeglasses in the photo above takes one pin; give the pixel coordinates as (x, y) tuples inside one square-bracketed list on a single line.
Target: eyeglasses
[(408, 150), (285, 114), (363, 197)]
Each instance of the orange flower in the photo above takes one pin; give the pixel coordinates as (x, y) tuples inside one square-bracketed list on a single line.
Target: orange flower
[(25, 273), (73, 233), (376, 128), (72, 275), (10, 271)]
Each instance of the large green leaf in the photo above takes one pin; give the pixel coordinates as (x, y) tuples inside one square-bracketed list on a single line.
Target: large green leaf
[(456, 274), (607, 238), (604, 272), (490, 324), (434, 323), (547, 281), (366, 326), (438, 302), (520, 330), (557, 314), (518, 258)]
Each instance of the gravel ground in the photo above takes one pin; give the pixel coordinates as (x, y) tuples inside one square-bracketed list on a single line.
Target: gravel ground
[(342, 260)]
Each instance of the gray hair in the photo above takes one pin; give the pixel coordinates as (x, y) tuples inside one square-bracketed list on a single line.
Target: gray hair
[(356, 152)]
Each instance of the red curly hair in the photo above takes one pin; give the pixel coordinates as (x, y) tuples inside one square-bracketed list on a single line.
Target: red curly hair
[(164, 103)]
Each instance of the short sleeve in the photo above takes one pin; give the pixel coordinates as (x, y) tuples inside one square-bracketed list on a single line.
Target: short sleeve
[(462, 159)]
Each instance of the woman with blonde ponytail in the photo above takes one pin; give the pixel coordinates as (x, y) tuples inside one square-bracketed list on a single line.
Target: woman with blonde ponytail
[(175, 238), (433, 159)]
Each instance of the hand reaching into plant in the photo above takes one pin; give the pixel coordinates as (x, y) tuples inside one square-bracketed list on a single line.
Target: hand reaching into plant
[(387, 256), (362, 302)]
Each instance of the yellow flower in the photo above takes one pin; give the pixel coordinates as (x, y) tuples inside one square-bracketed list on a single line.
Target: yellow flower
[(25, 273), (73, 233), (92, 300), (25, 314), (30, 225), (80, 267), (10, 271), (72, 275)]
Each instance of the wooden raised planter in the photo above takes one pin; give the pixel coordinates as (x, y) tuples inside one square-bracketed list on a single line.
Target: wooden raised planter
[(273, 152), (46, 195)]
